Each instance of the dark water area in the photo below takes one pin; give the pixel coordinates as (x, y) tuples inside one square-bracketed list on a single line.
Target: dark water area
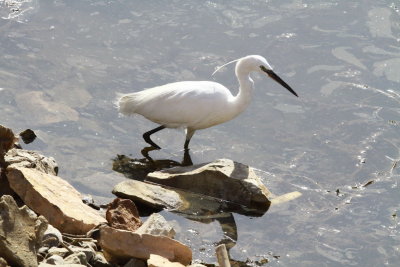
[(62, 62)]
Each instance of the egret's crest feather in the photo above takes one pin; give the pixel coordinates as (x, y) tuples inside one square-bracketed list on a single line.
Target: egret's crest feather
[(220, 67)]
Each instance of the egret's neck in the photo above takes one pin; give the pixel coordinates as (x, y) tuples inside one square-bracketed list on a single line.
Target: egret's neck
[(243, 98)]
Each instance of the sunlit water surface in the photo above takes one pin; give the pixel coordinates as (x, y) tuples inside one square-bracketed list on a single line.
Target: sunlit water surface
[(61, 63)]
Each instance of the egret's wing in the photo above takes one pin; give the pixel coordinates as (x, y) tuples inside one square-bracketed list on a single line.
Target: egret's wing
[(182, 104)]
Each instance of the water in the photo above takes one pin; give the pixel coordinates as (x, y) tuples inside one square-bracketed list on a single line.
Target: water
[(61, 63)]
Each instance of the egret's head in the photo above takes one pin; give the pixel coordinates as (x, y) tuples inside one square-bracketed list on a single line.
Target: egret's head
[(252, 63), (255, 63)]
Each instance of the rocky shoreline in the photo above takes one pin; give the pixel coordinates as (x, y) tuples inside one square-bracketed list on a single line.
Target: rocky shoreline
[(44, 221)]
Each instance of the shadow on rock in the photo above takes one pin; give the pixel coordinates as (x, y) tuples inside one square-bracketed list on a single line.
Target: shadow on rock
[(137, 169)]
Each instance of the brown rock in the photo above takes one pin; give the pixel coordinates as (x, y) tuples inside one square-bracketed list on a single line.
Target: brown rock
[(55, 199), (223, 179), (21, 232), (7, 139), (158, 261), (123, 214), (120, 245)]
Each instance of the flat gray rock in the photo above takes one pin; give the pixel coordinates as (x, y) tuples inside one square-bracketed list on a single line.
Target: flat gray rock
[(149, 194), (222, 179)]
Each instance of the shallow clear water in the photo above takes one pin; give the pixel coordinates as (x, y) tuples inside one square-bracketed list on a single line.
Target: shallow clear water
[(62, 62)]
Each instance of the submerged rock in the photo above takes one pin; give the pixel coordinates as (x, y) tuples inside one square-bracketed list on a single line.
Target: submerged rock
[(55, 199), (222, 179), (43, 110), (21, 232), (120, 245)]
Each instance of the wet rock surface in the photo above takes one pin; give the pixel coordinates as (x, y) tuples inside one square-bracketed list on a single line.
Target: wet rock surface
[(152, 195), (222, 179)]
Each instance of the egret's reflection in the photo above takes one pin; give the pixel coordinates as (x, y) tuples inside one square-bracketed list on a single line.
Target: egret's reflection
[(186, 160)]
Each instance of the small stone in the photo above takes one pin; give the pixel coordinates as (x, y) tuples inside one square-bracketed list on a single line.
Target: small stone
[(99, 261), (89, 244), (62, 252), (156, 225), (76, 258), (89, 252), (135, 263), (43, 250), (123, 214), (28, 136), (55, 260), (158, 261), (43, 264), (52, 237)]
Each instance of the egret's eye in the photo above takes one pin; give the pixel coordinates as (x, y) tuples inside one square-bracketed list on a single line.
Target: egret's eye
[(263, 68)]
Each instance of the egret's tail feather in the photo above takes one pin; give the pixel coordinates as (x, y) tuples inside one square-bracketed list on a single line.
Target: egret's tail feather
[(125, 104)]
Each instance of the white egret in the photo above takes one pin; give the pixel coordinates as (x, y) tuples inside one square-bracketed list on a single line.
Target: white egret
[(196, 105)]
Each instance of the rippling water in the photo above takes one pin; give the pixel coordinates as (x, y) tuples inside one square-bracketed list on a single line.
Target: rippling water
[(62, 62)]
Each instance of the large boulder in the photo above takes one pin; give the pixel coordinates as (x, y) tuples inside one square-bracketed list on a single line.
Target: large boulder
[(121, 245), (55, 199), (223, 179), (21, 232)]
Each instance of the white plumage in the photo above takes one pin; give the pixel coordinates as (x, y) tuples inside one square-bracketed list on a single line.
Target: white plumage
[(196, 105)]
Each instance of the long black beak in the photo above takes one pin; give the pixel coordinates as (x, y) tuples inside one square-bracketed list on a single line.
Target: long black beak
[(278, 79)]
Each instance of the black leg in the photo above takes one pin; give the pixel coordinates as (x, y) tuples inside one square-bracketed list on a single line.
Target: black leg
[(146, 136), (189, 134)]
